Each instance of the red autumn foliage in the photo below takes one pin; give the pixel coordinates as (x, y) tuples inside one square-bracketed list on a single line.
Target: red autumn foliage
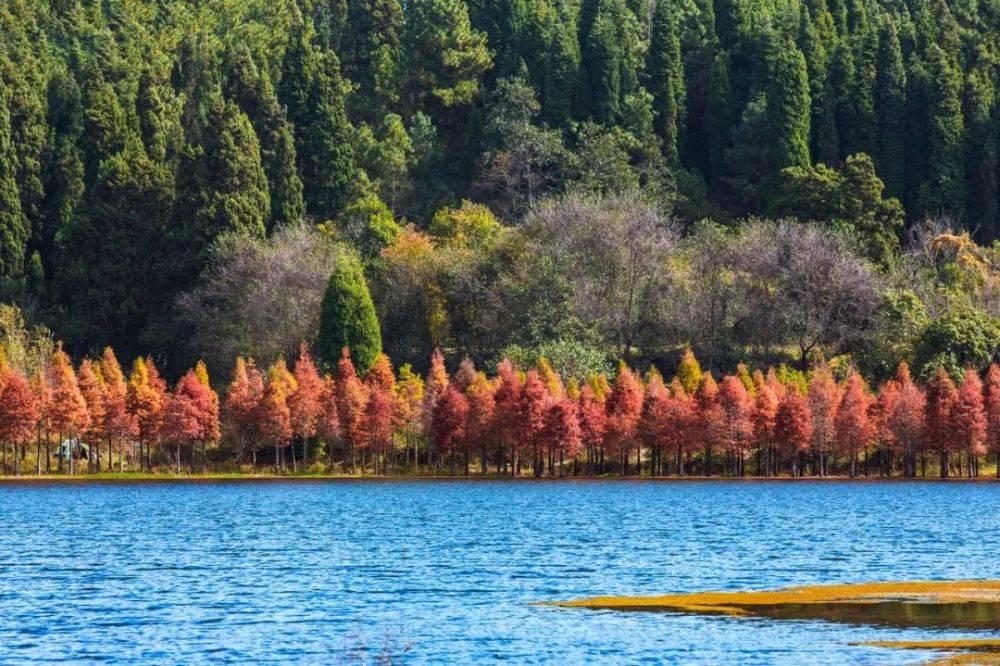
[(991, 392), (304, 402), (939, 426), (624, 407), (737, 427), (68, 413), (93, 395), (793, 425), (19, 411), (532, 404), (824, 400), (448, 421), (352, 397), (854, 429), (969, 418)]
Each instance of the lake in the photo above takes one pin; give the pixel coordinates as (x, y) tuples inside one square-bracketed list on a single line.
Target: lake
[(446, 571)]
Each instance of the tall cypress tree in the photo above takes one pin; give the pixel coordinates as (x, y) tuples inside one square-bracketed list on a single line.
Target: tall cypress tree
[(981, 153), (313, 92), (347, 317), (221, 188), (64, 172), (719, 121), (788, 107), (24, 82), (890, 112), (108, 277), (561, 70), (666, 78), (446, 57), (944, 190), (13, 223), (251, 88), (371, 56)]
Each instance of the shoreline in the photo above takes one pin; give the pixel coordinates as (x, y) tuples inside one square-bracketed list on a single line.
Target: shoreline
[(145, 477)]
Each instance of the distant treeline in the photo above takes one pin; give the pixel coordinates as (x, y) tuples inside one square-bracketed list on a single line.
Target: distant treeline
[(136, 134), (775, 423)]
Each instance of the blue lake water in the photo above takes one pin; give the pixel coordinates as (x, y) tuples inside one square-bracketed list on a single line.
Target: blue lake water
[(445, 572)]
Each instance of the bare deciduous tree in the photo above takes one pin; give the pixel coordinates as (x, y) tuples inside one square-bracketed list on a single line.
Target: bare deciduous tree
[(259, 297)]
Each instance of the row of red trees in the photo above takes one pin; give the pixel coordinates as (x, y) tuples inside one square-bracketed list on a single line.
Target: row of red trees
[(515, 422)]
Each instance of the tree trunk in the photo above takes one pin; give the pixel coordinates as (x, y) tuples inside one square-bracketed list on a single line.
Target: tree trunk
[(944, 464)]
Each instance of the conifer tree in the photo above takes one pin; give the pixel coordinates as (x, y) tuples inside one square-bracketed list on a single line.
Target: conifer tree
[(944, 190), (666, 78), (788, 107), (313, 92), (347, 317), (13, 222), (890, 111)]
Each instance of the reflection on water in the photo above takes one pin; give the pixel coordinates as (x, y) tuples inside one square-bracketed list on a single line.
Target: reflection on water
[(295, 573), (971, 615)]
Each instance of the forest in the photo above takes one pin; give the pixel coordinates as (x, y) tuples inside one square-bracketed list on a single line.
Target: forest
[(800, 184)]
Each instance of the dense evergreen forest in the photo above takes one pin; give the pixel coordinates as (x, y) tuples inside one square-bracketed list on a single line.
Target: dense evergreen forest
[(772, 181)]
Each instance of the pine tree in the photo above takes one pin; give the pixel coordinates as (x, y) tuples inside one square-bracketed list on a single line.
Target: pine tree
[(371, 55), (944, 190), (13, 222), (347, 317), (666, 78), (982, 160), (251, 88), (890, 112), (313, 92), (445, 55), (105, 278), (788, 107)]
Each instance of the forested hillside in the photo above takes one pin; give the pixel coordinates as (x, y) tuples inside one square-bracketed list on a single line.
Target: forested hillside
[(574, 179)]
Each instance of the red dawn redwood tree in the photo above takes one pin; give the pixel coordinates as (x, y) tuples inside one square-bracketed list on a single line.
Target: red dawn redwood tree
[(434, 386), (938, 416), (854, 429), (991, 397), (380, 410), (624, 407), (507, 400), (448, 422), (328, 423), (680, 425), (737, 428), (562, 431), (793, 426), (274, 419), (970, 421), (43, 398), (191, 414), (243, 398), (18, 415), (654, 421), (709, 419), (533, 402), (824, 399), (304, 402), (763, 416), (69, 410), (903, 418), (351, 399), (481, 395), (92, 390), (593, 426), (118, 425)]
